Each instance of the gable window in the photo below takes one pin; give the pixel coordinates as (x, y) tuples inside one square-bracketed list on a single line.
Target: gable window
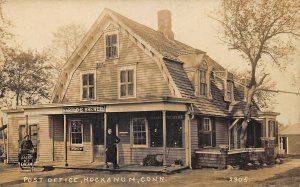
[(111, 43), (139, 132), (206, 133), (127, 82), (203, 83), (76, 133), (88, 86), (229, 91)]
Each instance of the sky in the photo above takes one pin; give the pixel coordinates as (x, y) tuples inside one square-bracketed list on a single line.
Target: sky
[(34, 22)]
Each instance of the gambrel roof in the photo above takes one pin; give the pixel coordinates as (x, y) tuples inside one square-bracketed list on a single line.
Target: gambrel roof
[(165, 52)]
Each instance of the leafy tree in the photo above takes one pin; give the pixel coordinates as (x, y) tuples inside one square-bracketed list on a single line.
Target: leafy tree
[(27, 75), (65, 40), (5, 36), (263, 32)]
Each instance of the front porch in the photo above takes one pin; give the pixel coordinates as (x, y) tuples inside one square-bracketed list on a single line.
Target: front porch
[(100, 166)]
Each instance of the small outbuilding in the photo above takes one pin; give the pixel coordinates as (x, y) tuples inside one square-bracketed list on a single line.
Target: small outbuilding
[(289, 140)]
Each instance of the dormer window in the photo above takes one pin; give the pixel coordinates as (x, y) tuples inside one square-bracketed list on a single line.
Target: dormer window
[(111, 43), (229, 91), (203, 83)]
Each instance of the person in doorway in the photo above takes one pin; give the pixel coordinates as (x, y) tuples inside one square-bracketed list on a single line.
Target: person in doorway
[(111, 148), (27, 147)]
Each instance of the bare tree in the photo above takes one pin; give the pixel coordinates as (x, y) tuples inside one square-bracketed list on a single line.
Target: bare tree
[(262, 31), (65, 40)]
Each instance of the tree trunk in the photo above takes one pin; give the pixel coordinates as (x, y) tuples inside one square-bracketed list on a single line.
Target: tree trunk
[(247, 116), (17, 99)]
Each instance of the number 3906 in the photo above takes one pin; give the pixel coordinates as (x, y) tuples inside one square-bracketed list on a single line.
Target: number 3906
[(238, 179)]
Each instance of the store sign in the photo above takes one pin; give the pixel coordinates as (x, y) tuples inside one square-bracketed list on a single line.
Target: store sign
[(76, 148), (84, 109), (174, 117)]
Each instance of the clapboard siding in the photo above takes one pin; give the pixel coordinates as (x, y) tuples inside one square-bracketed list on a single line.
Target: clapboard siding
[(44, 138), (73, 156), (13, 137), (149, 80), (221, 131), (194, 135)]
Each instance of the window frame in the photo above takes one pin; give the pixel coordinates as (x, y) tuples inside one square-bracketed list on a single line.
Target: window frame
[(229, 94), (204, 132), (70, 134), (271, 123), (117, 44), (205, 83), (81, 85), (132, 133), (127, 69)]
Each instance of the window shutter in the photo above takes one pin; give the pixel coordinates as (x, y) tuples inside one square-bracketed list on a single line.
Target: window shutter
[(200, 133), (213, 132)]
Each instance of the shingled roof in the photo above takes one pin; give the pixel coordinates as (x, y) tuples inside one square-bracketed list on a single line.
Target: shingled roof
[(170, 52), (170, 49)]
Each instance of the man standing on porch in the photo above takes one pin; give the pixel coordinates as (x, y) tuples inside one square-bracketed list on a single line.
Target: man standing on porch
[(111, 148)]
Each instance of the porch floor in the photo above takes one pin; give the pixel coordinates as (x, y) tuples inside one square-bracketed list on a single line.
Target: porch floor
[(100, 166)]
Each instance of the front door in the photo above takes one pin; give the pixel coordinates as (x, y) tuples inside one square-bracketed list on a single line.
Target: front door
[(98, 139)]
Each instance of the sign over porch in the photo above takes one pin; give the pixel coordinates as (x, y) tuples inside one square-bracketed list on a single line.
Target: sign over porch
[(83, 109)]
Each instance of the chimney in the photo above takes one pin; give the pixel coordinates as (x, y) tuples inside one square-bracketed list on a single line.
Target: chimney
[(164, 22)]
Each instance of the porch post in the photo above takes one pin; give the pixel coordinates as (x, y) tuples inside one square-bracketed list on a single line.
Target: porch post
[(92, 142), (105, 129), (235, 137), (164, 137), (26, 124), (65, 139), (187, 137)]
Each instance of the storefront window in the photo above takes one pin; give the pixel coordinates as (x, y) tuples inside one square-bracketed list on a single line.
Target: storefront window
[(76, 132), (174, 131), (139, 132), (156, 132)]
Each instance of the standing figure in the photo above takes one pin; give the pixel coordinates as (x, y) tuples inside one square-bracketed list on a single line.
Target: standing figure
[(111, 148)]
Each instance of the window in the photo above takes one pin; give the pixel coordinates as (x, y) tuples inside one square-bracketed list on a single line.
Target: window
[(127, 83), (206, 125), (139, 132), (203, 83), (76, 132), (206, 132), (111, 49), (174, 131), (271, 126), (229, 91), (33, 134), (156, 132), (88, 86)]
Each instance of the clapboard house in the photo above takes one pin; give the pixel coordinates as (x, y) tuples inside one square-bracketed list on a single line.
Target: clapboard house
[(159, 96)]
